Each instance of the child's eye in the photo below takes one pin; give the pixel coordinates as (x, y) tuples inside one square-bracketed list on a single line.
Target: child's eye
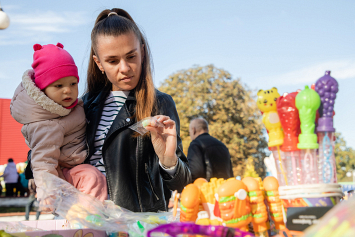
[(74, 83), (131, 56), (58, 86)]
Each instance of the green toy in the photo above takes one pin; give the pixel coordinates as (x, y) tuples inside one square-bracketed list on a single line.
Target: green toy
[(307, 103)]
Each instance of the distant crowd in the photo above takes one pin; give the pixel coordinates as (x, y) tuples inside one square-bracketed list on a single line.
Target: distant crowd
[(15, 183)]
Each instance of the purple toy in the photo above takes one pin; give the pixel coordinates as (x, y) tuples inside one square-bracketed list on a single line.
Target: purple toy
[(174, 229), (326, 87)]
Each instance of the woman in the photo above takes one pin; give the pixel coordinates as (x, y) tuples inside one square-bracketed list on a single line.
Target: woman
[(140, 171)]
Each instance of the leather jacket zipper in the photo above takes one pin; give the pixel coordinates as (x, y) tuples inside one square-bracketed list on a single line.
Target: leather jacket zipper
[(137, 169), (150, 182)]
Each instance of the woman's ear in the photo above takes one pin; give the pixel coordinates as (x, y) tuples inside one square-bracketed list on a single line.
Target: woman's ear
[(97, 61)]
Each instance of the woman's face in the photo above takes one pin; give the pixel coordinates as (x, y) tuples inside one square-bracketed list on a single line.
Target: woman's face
[(120, 57)]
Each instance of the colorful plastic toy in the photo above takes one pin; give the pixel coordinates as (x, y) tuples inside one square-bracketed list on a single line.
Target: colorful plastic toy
[(258, 208), (307, 103), (208, 199), (271, 186), (189, 203), (288, 113), (233, 204), (327, 87), (267, 104)]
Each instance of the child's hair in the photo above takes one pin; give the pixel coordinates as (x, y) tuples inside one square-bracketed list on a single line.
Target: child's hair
[(117, 25)]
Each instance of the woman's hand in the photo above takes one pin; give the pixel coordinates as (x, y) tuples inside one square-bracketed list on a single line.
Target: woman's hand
[(164, 140)]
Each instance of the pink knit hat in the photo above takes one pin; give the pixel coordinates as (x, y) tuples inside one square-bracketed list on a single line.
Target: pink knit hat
[(51, 63)]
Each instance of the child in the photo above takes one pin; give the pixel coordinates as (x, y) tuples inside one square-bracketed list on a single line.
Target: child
[(54, 121)]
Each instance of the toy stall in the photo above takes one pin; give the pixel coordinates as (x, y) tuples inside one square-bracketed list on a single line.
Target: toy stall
[(301, 197)]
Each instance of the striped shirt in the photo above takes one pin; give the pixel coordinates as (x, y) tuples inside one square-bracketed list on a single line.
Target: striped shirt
[(113, 105)]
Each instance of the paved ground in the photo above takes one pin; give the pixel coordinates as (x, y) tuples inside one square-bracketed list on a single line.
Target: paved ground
[(14, 202), (21, 217)]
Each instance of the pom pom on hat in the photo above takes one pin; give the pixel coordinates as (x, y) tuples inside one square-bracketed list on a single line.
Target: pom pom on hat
[(51, 63)]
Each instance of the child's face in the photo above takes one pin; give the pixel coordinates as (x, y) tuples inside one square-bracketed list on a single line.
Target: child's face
[(63, 91)]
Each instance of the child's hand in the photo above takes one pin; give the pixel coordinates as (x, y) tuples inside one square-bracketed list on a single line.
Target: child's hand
[(47, 205), (60, 173)]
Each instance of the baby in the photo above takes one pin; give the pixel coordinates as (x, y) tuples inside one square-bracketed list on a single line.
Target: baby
[(46, 103)]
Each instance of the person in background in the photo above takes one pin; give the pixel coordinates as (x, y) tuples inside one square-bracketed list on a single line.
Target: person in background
[(208, 157), (10, 177), (24, 184), (31, 199)]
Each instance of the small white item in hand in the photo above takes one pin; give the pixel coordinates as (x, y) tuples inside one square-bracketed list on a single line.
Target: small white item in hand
[(140, 126)]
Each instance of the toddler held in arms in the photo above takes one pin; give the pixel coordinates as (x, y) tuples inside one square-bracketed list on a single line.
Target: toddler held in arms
[(46, 103)]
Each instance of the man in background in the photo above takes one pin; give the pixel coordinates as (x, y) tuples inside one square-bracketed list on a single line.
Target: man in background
[(208, 157)]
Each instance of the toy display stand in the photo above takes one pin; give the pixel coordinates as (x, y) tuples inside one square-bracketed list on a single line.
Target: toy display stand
[(305, 204)]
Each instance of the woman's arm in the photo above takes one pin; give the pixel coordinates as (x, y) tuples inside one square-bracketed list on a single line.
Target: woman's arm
[(172, 152)]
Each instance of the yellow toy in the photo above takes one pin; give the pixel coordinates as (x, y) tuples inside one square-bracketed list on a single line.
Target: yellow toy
[(258, 208), (267, 104)]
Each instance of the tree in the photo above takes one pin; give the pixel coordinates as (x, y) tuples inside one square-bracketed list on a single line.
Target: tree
[(344, 156), (227, 105)]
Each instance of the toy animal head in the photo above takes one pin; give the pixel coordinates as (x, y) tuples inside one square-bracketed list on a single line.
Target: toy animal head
[(267, 99)]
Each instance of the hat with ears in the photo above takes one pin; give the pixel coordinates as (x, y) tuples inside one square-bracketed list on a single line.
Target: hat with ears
[(51, 63)]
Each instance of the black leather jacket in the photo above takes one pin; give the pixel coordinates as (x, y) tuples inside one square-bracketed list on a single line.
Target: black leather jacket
[(134, 178)]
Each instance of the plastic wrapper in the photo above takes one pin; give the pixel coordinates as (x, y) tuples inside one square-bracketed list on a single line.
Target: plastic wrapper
[(139, 127), (85, 211), (14, 227)]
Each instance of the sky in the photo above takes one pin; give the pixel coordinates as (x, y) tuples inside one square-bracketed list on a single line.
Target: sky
[(286, 44)]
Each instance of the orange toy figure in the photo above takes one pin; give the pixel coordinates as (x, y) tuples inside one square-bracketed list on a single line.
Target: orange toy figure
[(233, 204), (271, 186), (258, 208), (199, 182), (189, 203)]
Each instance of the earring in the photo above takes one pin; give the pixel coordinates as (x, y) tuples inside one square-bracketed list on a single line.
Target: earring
[(103, 72)]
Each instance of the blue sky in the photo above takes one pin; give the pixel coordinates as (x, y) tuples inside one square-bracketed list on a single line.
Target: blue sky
[(287, 44)]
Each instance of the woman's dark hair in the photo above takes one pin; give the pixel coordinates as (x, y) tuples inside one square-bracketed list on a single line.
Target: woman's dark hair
[(116, 25), (10, 160)]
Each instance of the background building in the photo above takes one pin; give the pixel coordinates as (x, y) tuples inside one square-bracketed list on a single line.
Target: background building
[(12, 143)]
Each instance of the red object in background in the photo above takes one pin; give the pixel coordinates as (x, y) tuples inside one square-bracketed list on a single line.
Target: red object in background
[(12, 143), (290, 121)]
